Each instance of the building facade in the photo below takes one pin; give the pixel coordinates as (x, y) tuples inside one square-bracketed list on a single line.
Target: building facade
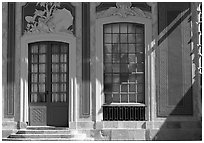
[(116, 71)]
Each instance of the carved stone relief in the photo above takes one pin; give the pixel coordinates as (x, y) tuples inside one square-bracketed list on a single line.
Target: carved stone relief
[(123, 9), (50, 19)]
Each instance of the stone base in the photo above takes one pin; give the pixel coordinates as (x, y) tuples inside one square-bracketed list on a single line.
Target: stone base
[(21, 125), (8, 127), (81, 125)]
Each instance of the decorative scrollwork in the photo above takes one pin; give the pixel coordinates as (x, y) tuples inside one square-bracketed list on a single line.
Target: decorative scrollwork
[(123, 9), (50, 19)]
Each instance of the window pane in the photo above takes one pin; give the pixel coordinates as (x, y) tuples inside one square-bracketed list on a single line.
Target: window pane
[(132, 77), (124, 88), (108, 58), (115, 48), (132, 88), (132, 67), (140, 98), (132, 98), (124, 58), (139, 38), (42, 48), (41, 77), (55, 68), (34, 49), (139, 29), (123, 38), (140, 78), (124, 48), (115, 28), (108, 68), (115, 38), (116, 78), (140, 67), (107, 28), (63, 77), (123, 28), (116, 68), (63, 58), (124, 77), (108, 87), (108, 48), (131, 38), (55, 78), (116, 58), (108, 78), (42, 58), (55, 87), (140, 48), (132, 48), (124, 98), (64, 48), (132, 58), (63, 67), (116, 98), (107, 38), (140, 58), (116, 88), (41, 87), (55, 48), (55, 58), (42, 68), (34, 58), (34, 78), (131, 28), (140, 88), (34, 88), (124, 68), (108, 98)]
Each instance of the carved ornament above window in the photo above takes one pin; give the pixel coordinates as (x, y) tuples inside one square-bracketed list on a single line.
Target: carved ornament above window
[(50, 19), (123, 9)]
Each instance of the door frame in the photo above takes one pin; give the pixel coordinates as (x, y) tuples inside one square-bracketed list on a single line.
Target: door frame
[(39, 37)]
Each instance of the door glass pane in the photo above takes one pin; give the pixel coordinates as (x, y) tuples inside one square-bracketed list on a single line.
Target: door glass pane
[(59, 73), (42, 58), (42, 68), (123, 62), (34, 58)]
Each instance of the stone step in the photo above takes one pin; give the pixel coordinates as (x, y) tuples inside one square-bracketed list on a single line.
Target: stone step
[(44, 132), (48, 139), (47, 136), (46, 128)]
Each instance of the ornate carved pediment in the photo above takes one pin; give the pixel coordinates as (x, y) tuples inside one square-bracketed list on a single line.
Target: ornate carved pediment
[(123, 9), (49, 19)]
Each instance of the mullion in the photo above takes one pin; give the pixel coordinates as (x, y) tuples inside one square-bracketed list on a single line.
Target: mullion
[(128, 85), (119, 62), (38, 72), (112, 59)]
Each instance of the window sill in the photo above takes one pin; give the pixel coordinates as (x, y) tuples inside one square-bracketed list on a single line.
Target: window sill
[(125, 104)]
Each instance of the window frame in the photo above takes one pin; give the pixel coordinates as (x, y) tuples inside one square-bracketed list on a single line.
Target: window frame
[(136, 73), (147, 22)]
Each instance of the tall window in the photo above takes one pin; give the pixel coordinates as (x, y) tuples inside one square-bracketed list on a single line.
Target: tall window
[(124, 63)]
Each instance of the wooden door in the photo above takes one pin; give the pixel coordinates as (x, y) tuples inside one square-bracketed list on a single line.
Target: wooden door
[(48, 83)]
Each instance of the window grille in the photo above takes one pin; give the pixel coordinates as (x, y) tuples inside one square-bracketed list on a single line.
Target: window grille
[(123, 113)]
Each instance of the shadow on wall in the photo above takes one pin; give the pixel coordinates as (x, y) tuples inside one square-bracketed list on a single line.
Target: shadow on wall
[(177, 126), (177, 129)]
